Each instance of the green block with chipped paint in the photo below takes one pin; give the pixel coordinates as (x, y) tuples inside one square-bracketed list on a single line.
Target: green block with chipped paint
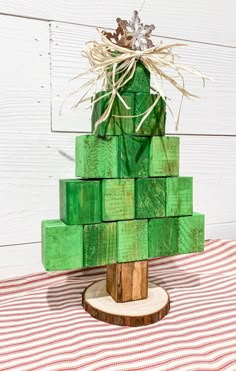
[(96, 157), (100, 244), (132, 240), (118, 199), (114, 125), (133, 156), (176, 235), (150, 197), (154, 124), (80, 201), (164, 156), (179, 196), (62, 245)]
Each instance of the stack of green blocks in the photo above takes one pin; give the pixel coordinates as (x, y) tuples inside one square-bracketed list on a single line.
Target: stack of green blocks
[(129, 202)]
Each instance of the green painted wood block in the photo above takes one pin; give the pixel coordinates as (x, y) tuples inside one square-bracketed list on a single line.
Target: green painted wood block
[(164, 156), (191, 237), (96, 157), (178, 235), (179, 196), (132, 240), (133, 156), (118, 199), (80, 201), (140, 81), (62, 245), (114, 125), (150, 197), (100, 244), (163, 237), (154, 124)]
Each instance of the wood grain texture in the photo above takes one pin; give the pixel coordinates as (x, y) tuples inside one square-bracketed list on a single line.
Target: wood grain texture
[(96, 157), (132, 240), (101, 306), (179, 196), (150, 197), (62, 245), (164, 156), (118, 199), (100, 244), (178, 235), (80, 201), (213, 113), (127, 281), (140, 82), (133, 160), (154, 124), (175, 19)]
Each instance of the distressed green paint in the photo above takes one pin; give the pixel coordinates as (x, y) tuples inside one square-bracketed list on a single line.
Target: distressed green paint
[(163, 237), (132, 240), (114, 125), (100, 244), (191, 237), (179, 196), (118, 199), (140, 82), (177, 235), (164, 156), (133, 156), (80, 201), (150, 197), (62, 245), (96, 157), (154, 124)]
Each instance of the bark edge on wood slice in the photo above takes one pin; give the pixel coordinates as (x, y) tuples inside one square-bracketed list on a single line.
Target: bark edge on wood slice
[(100, 305)]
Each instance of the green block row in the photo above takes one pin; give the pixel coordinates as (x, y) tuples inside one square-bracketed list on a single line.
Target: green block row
[(120, 121), (72, 247), (126, 156), (93, 201)]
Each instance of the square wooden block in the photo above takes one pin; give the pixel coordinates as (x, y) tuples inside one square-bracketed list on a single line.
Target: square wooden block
[(62, 245), (118, 199), (164, 156), (96, 157), (179, 196), (154, 124), (132, 240), (150, 197), (128, 281), (80, 201), (133, 156), (178, 235), (100, 244), (114, 125)]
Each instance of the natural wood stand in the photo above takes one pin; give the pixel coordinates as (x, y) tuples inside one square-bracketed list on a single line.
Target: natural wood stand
[(132, 300)]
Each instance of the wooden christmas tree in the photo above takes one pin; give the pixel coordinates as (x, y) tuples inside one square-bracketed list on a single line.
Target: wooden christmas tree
[(127, 204)]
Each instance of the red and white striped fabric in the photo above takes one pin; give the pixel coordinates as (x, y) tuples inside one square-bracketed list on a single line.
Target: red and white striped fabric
[(44, 327)]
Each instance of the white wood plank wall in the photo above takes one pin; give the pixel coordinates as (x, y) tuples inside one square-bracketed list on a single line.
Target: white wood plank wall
[(40, 46)]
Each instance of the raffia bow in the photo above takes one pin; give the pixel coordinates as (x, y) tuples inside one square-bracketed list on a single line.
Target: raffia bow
[(115, 66)]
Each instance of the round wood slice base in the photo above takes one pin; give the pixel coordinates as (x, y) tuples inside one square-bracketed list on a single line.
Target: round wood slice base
[(100, 305)]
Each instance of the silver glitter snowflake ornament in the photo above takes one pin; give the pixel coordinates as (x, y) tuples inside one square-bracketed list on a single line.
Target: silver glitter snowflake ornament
[(132, 34)]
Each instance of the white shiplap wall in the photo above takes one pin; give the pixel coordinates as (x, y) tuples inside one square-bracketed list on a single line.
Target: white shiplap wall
[(40, 51)]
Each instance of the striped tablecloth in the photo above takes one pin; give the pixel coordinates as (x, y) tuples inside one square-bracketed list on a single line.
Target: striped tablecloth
[(44, 327)]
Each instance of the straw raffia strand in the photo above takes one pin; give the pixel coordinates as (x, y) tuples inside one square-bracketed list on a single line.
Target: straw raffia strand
[(117, 65)]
